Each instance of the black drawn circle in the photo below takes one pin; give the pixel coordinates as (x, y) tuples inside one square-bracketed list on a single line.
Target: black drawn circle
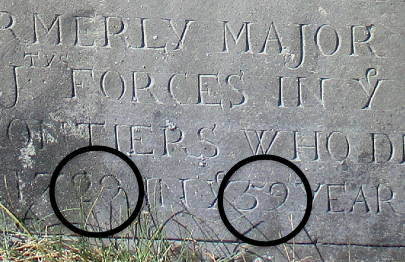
[(111, 231), (248, 160)]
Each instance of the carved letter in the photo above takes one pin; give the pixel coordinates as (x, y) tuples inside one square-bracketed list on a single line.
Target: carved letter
[(370, 33), (143, 81), (275, 38), (207, 148), (208, 89), (383, 150), (181, 36), (242, 97), (332, 199), (76, 73), (116, 83), (9, 24), (236, 37), (368, 87), (360, 198), (108, 29), (31, 58), (334, 48), (19, 133), (138, 141), (302, 48), (78, 40), (341, 146), (145, 44), (293, 97), (298, 139), (261, 137), (56, 21), (9, 93), (179, 88), (169, 145), (388, 199)]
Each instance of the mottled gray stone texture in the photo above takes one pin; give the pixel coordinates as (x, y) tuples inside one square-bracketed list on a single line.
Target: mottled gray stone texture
[(187, 89)]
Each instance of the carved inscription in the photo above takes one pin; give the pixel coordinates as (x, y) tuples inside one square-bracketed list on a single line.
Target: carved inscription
[(186, 98), (376, 148), (168, 140), (212, 88), (157, 34)]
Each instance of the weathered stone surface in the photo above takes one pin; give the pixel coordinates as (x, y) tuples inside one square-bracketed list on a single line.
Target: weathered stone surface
[(187, 90)]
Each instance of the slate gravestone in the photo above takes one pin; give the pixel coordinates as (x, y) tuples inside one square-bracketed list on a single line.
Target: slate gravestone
[(187, 90)]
